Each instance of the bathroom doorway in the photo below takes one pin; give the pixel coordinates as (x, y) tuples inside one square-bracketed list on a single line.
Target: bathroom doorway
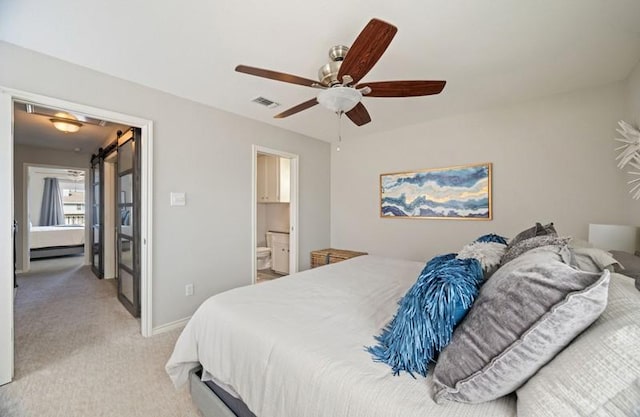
[(274, 214)]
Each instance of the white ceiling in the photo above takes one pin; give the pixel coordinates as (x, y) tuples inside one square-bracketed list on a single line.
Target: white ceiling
[(64, 175), (37, 130), (490, 52)]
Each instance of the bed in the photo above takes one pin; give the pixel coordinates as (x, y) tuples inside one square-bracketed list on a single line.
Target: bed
[(50, 241), (296, 347)]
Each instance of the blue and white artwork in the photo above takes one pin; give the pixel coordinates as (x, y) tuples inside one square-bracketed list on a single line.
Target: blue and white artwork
[(462, 192)]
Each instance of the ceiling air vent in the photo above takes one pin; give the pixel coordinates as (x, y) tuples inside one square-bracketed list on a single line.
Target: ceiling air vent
[(265, 102)]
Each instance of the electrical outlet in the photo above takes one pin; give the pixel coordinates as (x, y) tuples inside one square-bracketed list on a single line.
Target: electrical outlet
[(188, 289)]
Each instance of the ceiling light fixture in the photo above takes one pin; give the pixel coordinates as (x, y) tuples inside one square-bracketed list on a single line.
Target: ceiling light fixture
[(66, 126), (339, 99), (65, 122)]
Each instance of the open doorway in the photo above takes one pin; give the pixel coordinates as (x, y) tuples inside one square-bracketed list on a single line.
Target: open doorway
[(8, 99), (54, 214), (275, 214)]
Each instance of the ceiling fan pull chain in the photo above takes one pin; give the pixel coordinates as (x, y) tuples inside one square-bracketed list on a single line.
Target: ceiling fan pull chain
[(339, 130)]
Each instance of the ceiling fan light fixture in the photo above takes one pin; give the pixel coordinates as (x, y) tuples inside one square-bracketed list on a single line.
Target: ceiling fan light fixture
[(340, 78), (66, 126), (339, 99)]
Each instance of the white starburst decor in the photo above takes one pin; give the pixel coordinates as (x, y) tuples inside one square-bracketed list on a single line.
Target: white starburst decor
[(629, 154)]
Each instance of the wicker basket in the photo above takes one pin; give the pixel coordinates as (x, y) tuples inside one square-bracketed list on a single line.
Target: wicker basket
[(319, 257), (331, 256)]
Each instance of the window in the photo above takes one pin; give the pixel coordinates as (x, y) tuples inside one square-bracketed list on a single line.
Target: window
[(73, 202)]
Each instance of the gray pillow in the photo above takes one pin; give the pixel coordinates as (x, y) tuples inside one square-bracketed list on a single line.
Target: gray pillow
[(537, 230), (549, 229), (594, 260), (598, 374), (524, 315), (535, 242), (526, 234), (630, 265)]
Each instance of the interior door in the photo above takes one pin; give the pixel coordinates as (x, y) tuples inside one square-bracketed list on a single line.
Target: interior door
[(128, 201), (96, 216)]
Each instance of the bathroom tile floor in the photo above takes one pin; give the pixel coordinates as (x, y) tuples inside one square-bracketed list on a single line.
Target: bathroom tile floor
[(267, 275)]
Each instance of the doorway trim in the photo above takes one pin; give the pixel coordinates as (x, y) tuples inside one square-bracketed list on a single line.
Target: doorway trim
[(7, 98), (24, 227), (293, 207)]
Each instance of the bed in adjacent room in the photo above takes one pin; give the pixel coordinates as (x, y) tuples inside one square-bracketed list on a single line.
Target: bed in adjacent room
[(50, 241), (296, 347)]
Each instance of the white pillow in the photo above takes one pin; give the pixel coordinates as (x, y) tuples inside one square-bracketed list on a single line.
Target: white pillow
[(487, 253), (598, 374)]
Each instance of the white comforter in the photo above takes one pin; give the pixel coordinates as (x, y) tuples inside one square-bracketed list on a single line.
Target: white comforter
[(49, 236), (295, 347)]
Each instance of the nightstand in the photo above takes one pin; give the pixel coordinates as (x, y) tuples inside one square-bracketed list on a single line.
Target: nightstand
[(331, 256)]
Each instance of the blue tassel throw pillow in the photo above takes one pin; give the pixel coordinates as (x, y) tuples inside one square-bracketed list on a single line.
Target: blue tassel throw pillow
[(428, 314), (491, 237)]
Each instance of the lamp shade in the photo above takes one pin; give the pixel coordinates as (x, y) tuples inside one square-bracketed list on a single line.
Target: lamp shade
[(614, 237)]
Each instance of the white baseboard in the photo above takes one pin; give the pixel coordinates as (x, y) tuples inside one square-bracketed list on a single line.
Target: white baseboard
[(178, 324)]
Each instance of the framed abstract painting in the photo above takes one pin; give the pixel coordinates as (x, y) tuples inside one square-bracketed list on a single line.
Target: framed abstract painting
[(460, 192)]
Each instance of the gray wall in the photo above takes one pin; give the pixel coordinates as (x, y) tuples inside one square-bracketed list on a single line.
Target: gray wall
[(203, 152), (553, 160), (39, 156)]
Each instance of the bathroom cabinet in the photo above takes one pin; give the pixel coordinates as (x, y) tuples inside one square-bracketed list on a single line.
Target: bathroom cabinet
[(273, 178), (280, 253)]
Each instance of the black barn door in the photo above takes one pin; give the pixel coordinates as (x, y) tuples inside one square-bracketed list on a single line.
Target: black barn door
[(128, 201)]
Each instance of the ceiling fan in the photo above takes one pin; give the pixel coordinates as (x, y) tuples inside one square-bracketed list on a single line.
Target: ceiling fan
[(339, 79)]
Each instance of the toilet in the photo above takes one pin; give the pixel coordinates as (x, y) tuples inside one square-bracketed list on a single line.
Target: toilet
[(263, 254)]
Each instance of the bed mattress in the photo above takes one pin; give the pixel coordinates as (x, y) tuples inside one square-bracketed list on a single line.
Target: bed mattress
[(54, 236), (295, 346)]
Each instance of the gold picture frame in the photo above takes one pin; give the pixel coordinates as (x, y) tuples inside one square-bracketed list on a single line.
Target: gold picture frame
[(460, 192)]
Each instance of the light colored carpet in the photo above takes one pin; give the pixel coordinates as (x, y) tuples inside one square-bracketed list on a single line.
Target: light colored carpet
[(80, 353)]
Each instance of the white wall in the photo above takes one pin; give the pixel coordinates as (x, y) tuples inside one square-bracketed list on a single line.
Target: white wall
[(261, 224), (271, 217), (633, 96), (278, 217), (39, 156), (6, 247), (552, 161), (198, 150), (633, 116), (35, 188)]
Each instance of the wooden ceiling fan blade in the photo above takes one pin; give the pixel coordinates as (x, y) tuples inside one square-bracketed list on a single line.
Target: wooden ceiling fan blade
[(279, 76), (403, 88), (367, 49), (359, 115), (296, 109)]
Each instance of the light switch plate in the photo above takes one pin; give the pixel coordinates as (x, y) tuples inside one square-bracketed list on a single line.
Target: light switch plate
[(178, 199)]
